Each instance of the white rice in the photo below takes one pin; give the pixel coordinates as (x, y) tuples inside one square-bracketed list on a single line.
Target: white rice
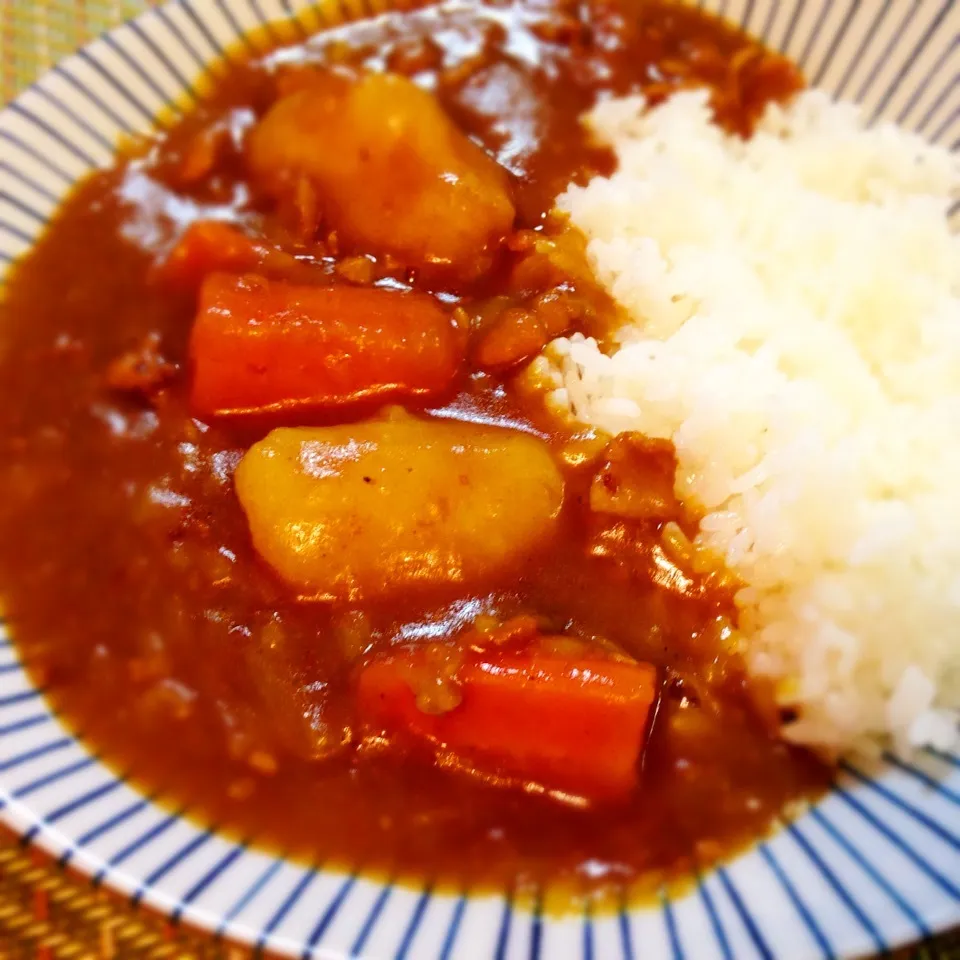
[(795, 330)]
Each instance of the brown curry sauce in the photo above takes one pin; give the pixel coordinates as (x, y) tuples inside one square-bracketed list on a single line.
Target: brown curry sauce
[(129, 580)]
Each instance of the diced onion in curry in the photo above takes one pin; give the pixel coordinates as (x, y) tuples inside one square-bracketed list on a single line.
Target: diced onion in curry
[(337, 627)]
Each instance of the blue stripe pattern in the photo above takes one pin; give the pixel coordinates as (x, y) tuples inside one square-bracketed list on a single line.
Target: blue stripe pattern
[(155, 831), (446, 951), (536, 928), (15, 699), (768, 23), (102, 829), (179, 79), (845, 895), (792, 26), (79, 122), (802, 909), (931, 783), (588, 930), (924, 85), (371, 919), (121, 89), (199, 61), (859, 55), (15, 231), (835, 42), (57, 776), (871, 871), (170, 864), (894, 838), (945, 757), (406, 940), (34, 215), (78, 803), (85, 158), (220, 54), (28, 756), (911, 59), (244, 37), (138, 69), (934, 109), (294, 896), (623, 926), (882, 60), (105, 109), (333, 908), (676, 951), (34, 154), (208, 879), (746, 917), (804, 56), (251, 893), (941, 831), (718, 930), (19, 726)]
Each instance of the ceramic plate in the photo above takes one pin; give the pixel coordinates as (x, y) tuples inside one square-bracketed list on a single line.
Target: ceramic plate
[(875, 864)]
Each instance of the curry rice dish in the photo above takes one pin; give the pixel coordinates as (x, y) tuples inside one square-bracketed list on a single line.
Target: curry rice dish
[(315, 478)]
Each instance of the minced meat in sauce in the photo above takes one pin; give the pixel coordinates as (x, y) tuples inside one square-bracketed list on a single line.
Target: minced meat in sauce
[(129, 577)]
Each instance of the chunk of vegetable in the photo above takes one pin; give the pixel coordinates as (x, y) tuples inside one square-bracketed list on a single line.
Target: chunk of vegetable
[(393, 173), (366, 510), (572, 724), (635, 479), (207, 246), (141, 370), (260, 345), (519, 332), (554, 291)]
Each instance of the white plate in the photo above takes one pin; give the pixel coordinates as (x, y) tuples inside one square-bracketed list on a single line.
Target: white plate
[(877, 863)]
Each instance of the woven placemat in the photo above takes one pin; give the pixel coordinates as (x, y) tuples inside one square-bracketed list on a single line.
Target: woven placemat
[(35, 35), (47, 912)]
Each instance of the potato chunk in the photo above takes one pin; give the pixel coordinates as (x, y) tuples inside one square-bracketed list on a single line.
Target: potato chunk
[(364, 510), (392, 172)]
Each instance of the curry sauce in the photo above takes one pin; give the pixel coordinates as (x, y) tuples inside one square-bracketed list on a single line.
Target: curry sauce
[(130, 580)]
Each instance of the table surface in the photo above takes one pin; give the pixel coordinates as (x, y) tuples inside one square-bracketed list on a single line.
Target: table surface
[(47, 913)]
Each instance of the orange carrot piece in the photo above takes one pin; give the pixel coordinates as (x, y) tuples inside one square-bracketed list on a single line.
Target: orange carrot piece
[(576, 725), (261, 345), (207, 246)]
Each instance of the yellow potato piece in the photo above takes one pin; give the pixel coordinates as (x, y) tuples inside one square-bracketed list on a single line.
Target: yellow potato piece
[(393, 173), (366, 510)]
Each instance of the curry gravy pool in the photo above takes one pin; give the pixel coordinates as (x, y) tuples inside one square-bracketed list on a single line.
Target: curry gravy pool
[(157, 630)]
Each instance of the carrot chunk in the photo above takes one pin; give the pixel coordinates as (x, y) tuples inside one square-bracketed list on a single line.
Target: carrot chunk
[(262, 345), (576, 725), (207, 246)]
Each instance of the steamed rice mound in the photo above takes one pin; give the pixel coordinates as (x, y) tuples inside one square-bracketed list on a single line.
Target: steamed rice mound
[(794, 305)]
